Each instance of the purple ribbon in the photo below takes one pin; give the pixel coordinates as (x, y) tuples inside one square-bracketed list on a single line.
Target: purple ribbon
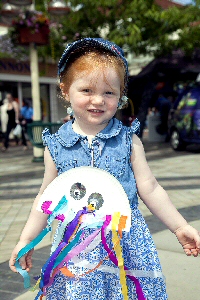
[(47, 268), (72, 225)]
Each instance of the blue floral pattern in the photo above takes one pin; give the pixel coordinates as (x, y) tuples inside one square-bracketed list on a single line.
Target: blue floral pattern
[(139, 252)]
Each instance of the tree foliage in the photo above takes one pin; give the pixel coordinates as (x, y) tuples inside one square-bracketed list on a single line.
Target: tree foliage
[(137, 25)]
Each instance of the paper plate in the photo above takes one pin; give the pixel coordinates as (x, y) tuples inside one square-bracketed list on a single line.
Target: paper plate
[(86, 186)]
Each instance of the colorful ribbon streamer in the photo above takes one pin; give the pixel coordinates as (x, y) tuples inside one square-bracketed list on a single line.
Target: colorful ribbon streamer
[(118, 251), (115, 261), (62, 203), (73, 244)]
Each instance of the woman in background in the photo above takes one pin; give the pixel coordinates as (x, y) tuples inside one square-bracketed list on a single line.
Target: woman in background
[(13, 119)]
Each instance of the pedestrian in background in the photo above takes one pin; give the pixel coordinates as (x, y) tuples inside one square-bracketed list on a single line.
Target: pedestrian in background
[(4, 116), (26, 117), (12, 110), (163, 105)]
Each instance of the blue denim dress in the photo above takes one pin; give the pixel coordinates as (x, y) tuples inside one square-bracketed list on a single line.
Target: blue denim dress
[(110, 151)]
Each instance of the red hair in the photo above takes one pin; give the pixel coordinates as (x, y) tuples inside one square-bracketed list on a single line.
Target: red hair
[(91, 61)]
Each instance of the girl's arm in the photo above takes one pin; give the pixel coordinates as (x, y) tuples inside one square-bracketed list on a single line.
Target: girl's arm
[(159, 203), (37, 221)]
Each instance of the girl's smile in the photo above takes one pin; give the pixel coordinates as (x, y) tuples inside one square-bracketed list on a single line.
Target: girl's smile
[(96, 111)]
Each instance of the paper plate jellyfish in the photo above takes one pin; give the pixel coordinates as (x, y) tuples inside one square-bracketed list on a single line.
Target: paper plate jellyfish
[(84, 198), (91, 188)]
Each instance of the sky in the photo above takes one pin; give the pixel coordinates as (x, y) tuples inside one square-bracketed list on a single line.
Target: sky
[(183, 1)]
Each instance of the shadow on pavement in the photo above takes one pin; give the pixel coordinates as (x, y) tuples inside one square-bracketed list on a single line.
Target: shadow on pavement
[(190, 213), (11, 284), (156, 151)]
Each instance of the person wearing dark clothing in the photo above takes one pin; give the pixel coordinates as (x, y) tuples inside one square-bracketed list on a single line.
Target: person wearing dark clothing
[(163, 106), (145, 104)]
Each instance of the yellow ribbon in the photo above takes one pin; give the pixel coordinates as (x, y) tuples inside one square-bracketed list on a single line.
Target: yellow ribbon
[(118, 250), (36, 286)]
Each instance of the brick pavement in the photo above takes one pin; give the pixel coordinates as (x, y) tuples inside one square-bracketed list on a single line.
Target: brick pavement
[(178, 173)]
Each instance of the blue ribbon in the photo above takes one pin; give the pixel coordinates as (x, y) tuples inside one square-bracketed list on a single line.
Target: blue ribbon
[(40, 293), (62, 203)]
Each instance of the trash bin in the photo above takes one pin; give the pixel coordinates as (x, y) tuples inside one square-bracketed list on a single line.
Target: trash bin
[(152, 121), (34, 131)]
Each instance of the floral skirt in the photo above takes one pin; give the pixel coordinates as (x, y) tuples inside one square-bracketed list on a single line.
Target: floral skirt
[(140, 258)]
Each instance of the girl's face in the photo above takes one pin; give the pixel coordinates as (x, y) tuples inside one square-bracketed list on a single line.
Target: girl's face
[(94, 97)]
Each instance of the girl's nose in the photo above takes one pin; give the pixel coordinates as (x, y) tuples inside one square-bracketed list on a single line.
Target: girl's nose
[(97, 99)]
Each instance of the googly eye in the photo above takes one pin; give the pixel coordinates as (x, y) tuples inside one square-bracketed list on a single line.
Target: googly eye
[(96, 200), (77, 191)]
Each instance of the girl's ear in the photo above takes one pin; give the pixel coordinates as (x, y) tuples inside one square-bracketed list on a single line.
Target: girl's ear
[(63, 91)]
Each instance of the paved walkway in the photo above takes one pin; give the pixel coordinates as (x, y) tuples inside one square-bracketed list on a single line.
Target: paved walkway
[(178, 173)]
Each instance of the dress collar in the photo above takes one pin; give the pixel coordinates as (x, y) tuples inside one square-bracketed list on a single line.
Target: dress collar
[(68, 137)]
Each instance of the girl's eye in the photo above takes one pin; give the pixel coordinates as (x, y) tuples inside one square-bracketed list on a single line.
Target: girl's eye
[(109, 93), (86, 90)]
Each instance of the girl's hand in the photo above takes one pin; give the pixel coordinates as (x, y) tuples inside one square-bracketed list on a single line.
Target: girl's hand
[(25, 261), (189, 238)]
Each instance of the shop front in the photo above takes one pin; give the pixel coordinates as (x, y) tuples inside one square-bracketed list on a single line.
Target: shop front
[(15, 78)]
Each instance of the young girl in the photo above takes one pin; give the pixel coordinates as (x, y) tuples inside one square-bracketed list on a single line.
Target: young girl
[(93, 77)]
